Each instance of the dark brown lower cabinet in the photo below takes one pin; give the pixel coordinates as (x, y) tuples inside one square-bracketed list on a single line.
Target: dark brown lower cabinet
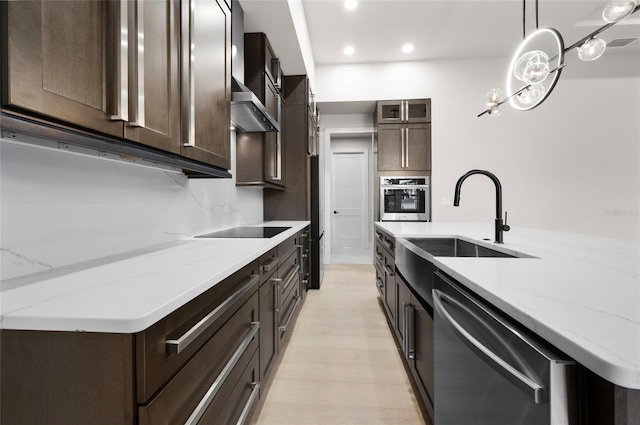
[(415, 334), (157, 376)]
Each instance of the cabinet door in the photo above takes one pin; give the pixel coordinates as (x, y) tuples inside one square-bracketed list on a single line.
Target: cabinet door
[(390, 147), (418, 147), (273, 150), (206, 82), (423, 363), (268, 335), (155, 84), (58, 61), (403, 299), (390, 287), (417, 110), (390, 111)]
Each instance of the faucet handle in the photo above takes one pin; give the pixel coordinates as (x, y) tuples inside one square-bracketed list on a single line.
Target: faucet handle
[(505, 226)]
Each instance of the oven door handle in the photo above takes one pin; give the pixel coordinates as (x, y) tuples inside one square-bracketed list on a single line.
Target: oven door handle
[(406, 186), (517, 378)]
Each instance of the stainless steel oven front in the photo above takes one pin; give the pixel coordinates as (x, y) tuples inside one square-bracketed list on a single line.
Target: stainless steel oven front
[(404, 198)]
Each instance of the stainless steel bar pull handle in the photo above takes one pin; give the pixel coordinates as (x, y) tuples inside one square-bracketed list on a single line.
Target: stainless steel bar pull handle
[(175, 346), (138, 112), (191, 113), (271, 264), (247, 407), (409, 320), (224, 374), (402, 157), (284, 327), (406, 149), (122, 67), (291, 276), (534, 390)]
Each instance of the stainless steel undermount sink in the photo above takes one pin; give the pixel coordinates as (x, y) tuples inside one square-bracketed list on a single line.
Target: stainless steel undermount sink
[(455, 247)]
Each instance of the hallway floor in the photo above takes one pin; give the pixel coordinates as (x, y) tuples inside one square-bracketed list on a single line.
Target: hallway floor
[(341, 366)]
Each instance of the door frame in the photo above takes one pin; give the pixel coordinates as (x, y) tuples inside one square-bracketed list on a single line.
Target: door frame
[(330, 133)]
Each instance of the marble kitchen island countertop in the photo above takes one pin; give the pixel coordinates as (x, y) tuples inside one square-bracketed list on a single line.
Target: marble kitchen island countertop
[(580, 293), (130, 294)]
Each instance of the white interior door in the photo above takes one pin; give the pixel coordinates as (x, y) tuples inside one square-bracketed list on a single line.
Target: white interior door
[(349, 188)]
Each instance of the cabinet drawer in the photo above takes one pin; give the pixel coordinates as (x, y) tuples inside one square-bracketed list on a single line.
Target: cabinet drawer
[(288, 263), (268, 264), (289, 305), (207, 381), (285, 247), (163, 348)]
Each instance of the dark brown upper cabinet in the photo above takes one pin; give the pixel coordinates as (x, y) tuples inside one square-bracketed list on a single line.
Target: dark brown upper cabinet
[(404, 135), (206, 81), (404, 147), (156, 73), (57, 61), (403, 111)]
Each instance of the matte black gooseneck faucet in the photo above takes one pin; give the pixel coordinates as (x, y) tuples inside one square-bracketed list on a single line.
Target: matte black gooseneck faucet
[(500, 226)]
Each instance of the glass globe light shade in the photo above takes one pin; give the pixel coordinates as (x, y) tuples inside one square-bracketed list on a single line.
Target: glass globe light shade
[(532, 67), (532, 94), (494, 97), (592, 49), (616, 11)]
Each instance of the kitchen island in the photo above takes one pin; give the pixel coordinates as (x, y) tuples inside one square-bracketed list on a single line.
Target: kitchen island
[(580, 293)]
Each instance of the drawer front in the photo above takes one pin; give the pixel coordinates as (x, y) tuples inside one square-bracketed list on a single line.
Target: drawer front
[(239, 406), (379, 253), (288, 306), (387, 241), (285, 247), (208, 379), (165, 347), (380, 278), (268, 264), (289, 263)]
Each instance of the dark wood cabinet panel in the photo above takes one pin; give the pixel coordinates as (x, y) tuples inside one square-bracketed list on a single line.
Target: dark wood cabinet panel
[(294, 203), (268, 336), (67, 378), (418, 147), (403, 299), (423, 363), (403, 111), (58, 63), (206, 82), (155, 84), (180, 397), (390, 147)]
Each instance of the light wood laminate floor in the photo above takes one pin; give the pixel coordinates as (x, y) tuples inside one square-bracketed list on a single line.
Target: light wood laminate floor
[(341, 366)]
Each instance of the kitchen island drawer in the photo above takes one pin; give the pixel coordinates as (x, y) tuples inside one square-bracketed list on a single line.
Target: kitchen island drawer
[(212, 378), (166, 346)]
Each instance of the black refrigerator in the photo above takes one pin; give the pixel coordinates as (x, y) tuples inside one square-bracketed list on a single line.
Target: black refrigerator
[(317, 224)]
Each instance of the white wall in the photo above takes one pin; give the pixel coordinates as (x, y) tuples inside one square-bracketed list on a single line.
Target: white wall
[(572, 164), (59, 209)]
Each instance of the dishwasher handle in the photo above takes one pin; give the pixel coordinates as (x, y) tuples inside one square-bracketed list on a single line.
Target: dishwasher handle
[(531, 388)]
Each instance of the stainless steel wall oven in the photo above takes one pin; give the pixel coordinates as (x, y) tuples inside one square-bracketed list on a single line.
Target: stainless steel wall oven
[(404, 198)]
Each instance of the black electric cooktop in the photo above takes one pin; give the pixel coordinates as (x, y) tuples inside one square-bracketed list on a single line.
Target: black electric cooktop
[(246, 232)]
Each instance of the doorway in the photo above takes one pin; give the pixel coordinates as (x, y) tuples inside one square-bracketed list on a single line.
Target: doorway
[(351, 198)]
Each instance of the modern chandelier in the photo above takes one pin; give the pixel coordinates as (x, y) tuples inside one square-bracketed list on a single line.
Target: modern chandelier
[(538, 62)]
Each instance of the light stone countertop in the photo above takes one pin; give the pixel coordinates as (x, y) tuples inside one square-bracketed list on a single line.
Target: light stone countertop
[(127, 295), (581, 293)]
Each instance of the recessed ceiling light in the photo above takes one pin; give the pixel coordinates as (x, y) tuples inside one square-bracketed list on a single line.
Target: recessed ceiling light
[(407, 48), (349, 50), (350, 4)]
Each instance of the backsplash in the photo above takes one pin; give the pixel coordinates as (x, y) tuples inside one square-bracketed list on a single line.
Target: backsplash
[(59, 209)]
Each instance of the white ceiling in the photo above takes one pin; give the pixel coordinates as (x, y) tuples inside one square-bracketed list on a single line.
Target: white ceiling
[(439, 29)]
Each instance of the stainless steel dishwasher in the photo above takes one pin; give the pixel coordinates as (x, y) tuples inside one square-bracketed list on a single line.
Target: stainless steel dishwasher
[(489, 372)]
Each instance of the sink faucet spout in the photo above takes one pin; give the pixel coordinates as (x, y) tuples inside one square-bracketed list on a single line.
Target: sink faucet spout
[(500, 225)]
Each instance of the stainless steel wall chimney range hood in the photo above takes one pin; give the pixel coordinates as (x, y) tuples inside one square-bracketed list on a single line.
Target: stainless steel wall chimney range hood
[(248, 114)]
